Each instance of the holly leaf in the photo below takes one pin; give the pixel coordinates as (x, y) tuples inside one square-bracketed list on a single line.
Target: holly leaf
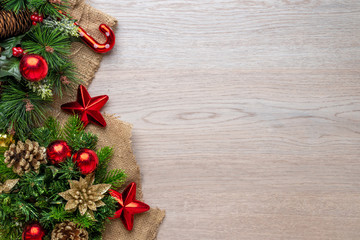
[(8, 44), (10, 67)]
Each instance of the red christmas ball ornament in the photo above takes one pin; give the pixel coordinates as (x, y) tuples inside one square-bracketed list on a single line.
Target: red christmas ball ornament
[(58, 151), (33, 232), (33, 67), (86, 160)]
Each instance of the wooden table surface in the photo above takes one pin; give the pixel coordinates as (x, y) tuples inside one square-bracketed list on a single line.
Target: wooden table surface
[(246, 114)]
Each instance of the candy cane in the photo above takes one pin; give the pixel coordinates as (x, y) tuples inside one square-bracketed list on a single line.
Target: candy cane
[(93, 44)]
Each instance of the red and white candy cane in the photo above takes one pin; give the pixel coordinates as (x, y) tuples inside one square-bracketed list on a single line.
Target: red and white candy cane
[(93, 44)]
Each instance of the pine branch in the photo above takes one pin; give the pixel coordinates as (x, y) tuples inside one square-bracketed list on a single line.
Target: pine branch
[(31, 185), (52, 44), (84, 221), (75, 135), (50, 132), (104, 155), (63, 77), (27, 209), (20, 110), (5, 172), (55, 214), (13, 5), (46, 8), (68, 170), (115, 177)]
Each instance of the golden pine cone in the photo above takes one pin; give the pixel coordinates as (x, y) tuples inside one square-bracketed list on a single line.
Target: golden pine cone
[(69, 231), (25, 157)]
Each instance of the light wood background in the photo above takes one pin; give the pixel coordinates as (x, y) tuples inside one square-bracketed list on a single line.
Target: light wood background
[(246, 114)]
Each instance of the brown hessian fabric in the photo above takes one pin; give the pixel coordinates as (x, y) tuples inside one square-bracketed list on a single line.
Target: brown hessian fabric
[(116, 134)]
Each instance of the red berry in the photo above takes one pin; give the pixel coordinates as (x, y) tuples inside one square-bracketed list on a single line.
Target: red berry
[(40, 18), (34, 23), (17, 51)]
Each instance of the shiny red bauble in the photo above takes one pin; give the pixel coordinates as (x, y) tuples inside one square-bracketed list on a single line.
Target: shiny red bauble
[(86, 160), (58, 151), (33, 67), (33, 232)]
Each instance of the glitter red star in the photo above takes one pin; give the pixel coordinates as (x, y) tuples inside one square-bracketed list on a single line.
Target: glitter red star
[(87, 108), (129, 206)]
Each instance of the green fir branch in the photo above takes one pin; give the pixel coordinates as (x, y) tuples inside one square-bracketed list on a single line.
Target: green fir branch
[(104, 154), (48, 133), (63, 77), (45, 8), (5, 172), (115, 177), (13, 5), (52, 44), (20, 109), (76, 136)]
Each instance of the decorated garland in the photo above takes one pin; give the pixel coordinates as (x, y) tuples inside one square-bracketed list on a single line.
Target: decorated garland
[(54, 180), (60, 188)]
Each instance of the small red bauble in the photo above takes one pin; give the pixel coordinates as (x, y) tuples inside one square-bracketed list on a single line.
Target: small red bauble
[(86, 160), (58, 151), (33, 67), (33, 232)]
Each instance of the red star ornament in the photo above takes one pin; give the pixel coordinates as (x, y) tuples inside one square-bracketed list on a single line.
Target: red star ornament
[(87, 108), (129, 206)]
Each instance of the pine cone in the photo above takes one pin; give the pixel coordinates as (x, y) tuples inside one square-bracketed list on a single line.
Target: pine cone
[(68, 231), (13, 24), (25, 157)]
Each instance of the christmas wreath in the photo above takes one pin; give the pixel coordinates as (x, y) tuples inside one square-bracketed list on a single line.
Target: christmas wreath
[(55, 183)]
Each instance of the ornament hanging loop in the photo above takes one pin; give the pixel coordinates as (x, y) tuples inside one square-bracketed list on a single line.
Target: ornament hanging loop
[(93, 44)]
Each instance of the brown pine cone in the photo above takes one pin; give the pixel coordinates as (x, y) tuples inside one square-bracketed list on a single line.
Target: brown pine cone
[(69, 231), (25, 157), (13, 24)]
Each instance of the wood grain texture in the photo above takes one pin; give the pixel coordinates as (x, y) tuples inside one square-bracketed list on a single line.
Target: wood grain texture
[(246, 114)]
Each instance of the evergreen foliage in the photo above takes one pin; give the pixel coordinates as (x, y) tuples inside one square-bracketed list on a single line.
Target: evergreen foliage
[(42, 39), (23, 111), (36, 196), (43, 7), (52, 40), (20, 110)]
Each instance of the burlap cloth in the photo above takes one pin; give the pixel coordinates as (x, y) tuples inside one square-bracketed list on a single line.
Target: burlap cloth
[(117, 133)]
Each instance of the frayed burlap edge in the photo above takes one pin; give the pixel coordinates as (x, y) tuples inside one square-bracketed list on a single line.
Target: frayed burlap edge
[(117, 133)]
